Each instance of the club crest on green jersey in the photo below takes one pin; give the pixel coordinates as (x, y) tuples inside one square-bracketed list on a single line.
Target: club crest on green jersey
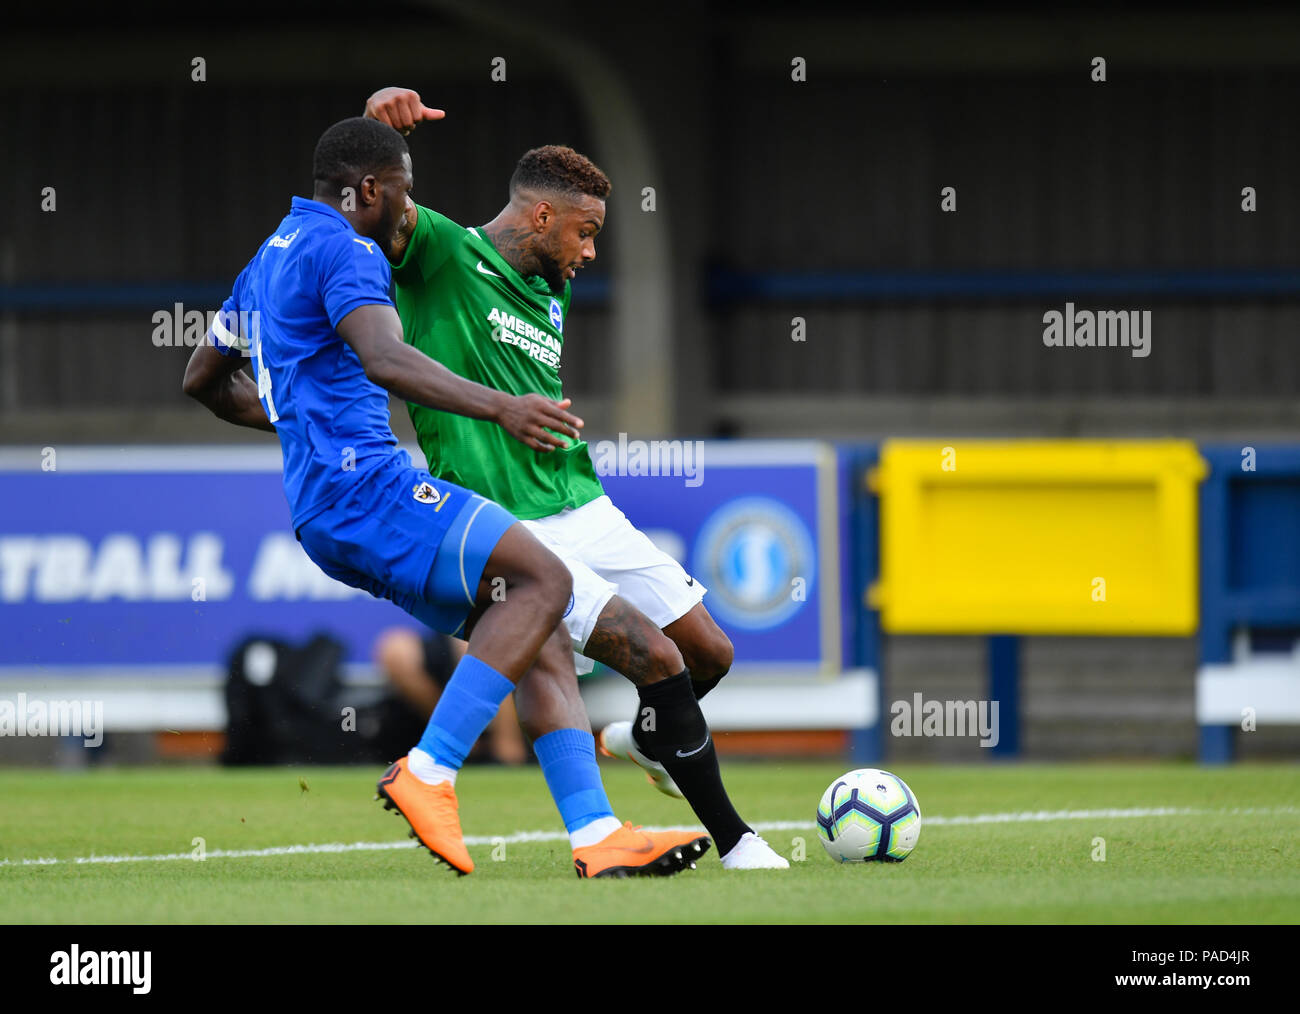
[(557, 315)]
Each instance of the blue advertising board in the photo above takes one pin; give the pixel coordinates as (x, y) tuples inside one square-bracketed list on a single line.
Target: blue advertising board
[(760, 529), (159, 559)]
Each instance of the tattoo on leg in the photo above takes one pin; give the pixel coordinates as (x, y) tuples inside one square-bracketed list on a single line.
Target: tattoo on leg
[(624, 640)]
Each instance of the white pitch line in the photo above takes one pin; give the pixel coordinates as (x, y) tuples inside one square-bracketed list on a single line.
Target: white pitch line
[(520, 837)]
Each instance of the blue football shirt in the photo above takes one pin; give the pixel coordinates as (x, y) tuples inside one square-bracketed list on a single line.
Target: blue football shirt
[(333, 421)]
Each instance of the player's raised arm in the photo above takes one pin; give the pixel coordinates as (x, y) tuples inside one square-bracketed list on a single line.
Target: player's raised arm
[(400, 108), (218, 382), (375, 333)]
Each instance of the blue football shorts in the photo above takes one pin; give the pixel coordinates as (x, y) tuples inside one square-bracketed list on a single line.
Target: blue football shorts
[(417, 541)]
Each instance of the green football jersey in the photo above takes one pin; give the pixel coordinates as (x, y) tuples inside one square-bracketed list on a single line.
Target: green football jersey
[(462, 304)]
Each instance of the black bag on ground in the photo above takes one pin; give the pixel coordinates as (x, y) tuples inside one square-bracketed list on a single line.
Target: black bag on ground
[(288, 704)]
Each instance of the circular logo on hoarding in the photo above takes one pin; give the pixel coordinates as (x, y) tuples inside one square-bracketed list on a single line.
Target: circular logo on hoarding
[(752, 554)]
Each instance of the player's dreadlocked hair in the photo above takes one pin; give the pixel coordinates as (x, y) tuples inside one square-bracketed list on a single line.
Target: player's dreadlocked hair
[(559, 170), (356, 147)]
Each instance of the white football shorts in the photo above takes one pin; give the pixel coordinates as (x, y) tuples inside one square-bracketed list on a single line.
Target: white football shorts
[(608, 557)]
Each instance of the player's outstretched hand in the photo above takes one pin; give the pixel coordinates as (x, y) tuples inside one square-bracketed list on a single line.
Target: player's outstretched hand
[(529, 418), (400, 108)]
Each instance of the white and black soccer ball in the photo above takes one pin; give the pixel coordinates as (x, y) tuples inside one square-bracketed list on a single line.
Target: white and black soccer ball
[(868, 815)]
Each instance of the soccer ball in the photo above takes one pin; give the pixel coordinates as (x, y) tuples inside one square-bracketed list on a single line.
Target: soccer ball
[(868, 815)]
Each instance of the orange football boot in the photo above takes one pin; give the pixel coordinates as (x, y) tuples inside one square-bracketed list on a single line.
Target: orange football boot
[(632, 852), (432, 812)]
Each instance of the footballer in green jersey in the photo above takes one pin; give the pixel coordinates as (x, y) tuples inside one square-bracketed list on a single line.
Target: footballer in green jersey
[(489, 303), (466, 306)]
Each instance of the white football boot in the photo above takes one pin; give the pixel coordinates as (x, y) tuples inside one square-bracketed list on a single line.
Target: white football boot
[(753, 853), (616, 740)]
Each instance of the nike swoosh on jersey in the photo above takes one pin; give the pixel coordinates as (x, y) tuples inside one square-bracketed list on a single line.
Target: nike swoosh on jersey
[(692, 753), (487, 271)]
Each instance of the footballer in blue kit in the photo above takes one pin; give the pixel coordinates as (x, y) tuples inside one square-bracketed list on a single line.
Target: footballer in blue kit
[(312, 312), (364, 514)]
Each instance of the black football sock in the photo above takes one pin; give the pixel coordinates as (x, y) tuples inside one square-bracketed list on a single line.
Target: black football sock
[(702, 687), (698, 687), (672, 726), (641, 738)]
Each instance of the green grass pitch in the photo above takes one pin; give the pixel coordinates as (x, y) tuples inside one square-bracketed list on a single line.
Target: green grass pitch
[(1223, 848)]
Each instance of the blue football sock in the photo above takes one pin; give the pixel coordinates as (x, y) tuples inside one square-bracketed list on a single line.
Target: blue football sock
[(472, 698), (568, 760)]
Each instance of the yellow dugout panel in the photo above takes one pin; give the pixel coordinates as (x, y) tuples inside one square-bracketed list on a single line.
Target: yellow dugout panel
[(1038, 537)]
